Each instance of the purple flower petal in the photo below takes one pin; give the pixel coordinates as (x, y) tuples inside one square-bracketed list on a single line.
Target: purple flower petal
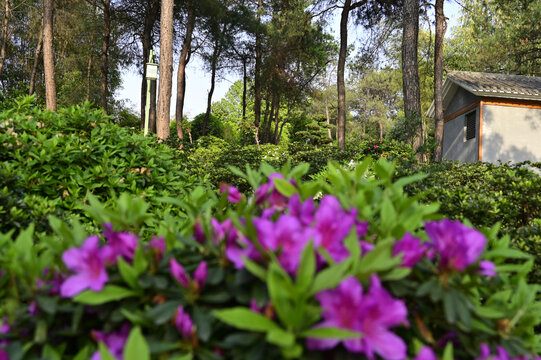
[(184, 323), (121, 243), (200, 274), (487, 268), (179, 273), (458, 246), (426, 353), (411, 249), (88, 262), (233, 194)]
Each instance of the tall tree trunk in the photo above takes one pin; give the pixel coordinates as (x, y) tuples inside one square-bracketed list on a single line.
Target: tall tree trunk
[(181, 75), (105, 53), (151, 15), (5, 35), (36, 61), (166, 69), (410, 69), (276, 119), (209, 97), (340, 83), (328, 116), (257, 75), (244, 86), (89, 67), (48, 55), (265, 120), (438, 80)]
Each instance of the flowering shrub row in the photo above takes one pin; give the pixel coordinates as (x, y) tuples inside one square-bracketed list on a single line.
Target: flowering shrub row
[(350, 266)]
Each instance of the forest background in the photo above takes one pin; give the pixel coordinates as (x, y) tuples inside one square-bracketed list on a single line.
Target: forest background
[(289, 64)]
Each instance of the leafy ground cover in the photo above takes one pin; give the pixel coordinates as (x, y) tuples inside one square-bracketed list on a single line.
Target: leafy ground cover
[(343, 267)]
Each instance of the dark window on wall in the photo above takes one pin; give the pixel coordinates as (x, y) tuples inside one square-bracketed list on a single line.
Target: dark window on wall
[(469, 124)]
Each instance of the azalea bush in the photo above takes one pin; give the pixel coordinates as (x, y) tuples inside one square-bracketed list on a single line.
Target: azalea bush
[(346, 266)]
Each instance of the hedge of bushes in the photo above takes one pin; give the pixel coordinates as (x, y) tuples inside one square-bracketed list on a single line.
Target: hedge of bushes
[(486, 194), (51, 161), (342, 268), (212, 157)]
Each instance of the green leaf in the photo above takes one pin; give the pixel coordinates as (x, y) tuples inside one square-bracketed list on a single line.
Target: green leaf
[(128, 273), (140, 263), (449, 306), (83, 354), (104, 352), (255, 269), (307, 268), (330, 277), (280, 337), (136, 346), (49, 353), (188, 356), (292, 352), (448, 352), (331, 333), (163, 312), (284, 187), (245, 319), (280, 291), (109, 293)]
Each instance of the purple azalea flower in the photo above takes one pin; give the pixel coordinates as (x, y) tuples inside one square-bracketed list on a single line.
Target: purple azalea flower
[(88, 262), (361, 227), (184, 323), (371, 314), (426, 353), (411, 249), (55, 283), (158, 247), (114, 342), (286, 236), (32, 308), (5, 328), (3, 355), (333, 225), (198, 233), (487, 268), (304, 211), (267, 192), (458, 246), (200, 274), (179, 273), (366, 247), (233, 194), (254, 307), (236, 245), (121, 243), (501, 354)]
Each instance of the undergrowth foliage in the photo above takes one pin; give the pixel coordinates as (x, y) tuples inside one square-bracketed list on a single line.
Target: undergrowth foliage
[(345, 266)]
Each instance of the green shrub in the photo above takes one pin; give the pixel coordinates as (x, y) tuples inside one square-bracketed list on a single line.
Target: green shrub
[(214, 127), (51, 161), (485, 194), (366, 267)]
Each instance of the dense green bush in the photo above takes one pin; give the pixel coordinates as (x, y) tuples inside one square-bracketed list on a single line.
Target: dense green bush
[(214, 127), (366, 268), (485, 194), (51, 161)]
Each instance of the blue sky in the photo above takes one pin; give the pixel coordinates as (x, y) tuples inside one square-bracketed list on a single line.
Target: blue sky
[(198, 80)]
